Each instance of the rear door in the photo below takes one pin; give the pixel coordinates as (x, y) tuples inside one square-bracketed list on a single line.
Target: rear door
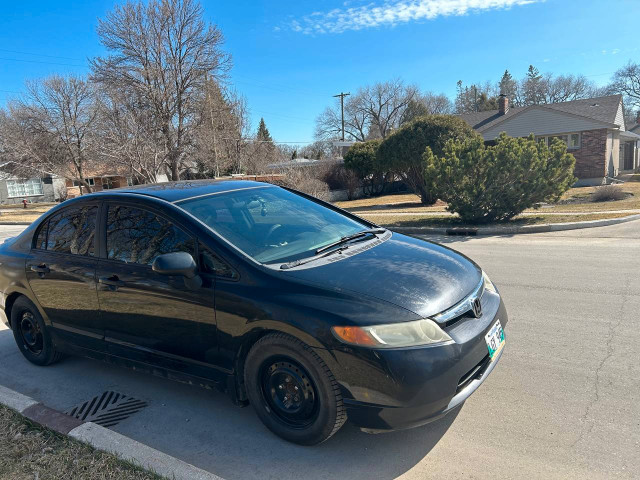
[(147, 316), (61, 272)]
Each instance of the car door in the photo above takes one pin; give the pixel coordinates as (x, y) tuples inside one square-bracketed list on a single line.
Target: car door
[(61, 273), (148, 316)]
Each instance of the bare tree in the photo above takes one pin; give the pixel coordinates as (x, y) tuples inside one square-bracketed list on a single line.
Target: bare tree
[(437, 104), (162, 52), (384, 103), (626, 81), (373, 112), (51, 129), (222, 127), (356, 122), (564, 88), (129, 136)]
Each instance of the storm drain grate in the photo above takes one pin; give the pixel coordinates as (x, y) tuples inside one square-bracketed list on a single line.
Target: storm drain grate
[(107, 409)]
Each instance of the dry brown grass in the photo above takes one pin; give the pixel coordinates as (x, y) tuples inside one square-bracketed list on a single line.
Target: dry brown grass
[(583, 194), (452, 221), (18, 206), (408, 198), (29, 452), (576, 200), (15, 213)]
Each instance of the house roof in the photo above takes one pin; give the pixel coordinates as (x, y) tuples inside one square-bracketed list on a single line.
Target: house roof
[(630, 135), (635, 128), (601, 109)]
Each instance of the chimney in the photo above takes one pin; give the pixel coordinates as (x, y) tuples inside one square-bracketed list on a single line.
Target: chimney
[(503, 104)]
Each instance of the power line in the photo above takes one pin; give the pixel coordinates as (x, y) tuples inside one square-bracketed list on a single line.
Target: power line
[(282, 115), (40, 55), (41, 61), (276, 87), (235, 139)]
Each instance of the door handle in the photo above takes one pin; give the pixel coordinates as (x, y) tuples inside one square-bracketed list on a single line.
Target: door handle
[(113, 281), (40, 269)]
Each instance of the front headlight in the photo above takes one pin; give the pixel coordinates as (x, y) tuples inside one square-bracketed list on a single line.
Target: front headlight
[(393, 335), (488, 284)]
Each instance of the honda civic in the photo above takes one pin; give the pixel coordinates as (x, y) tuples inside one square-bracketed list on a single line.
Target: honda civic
[(307, 312)]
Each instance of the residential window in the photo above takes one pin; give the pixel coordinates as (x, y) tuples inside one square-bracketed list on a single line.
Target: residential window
[(90, 181), (107, 183), (129, 182), (572, 140), (24, 188)]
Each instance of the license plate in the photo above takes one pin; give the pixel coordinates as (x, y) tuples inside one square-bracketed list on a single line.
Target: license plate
[(495, 339)]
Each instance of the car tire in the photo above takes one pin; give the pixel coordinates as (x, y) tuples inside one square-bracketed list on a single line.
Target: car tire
[(31, 334), (292, 390)]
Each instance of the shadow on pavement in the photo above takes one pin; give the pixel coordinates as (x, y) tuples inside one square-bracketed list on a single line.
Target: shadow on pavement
[(203, 427)]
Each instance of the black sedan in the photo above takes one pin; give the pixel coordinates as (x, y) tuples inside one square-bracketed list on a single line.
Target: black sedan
[(309, 313)]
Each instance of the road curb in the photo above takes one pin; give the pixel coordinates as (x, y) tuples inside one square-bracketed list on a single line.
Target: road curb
[(102, 438), (547, 227)]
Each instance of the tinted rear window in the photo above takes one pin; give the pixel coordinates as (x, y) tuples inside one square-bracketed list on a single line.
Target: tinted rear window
[(139, 236), (71, 231)]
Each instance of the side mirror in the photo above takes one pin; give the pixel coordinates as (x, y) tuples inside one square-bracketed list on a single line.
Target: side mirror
[(178, 263)]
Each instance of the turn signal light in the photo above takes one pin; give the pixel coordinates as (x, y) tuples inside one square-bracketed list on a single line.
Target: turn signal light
[(354, 336)]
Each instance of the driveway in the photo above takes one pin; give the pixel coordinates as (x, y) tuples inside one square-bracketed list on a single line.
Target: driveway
[(564, 402)]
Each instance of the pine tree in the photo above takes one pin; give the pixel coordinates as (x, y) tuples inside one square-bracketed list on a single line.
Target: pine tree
[(508, 86), (263, 132), (532, 87)]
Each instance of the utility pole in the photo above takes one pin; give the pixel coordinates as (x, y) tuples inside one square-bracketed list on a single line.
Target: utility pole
[(342, 95)]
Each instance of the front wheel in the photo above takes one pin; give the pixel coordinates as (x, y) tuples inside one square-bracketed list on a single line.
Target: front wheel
[(292, 390)]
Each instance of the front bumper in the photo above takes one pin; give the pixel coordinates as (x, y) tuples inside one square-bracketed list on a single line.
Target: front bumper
[(404, 388)]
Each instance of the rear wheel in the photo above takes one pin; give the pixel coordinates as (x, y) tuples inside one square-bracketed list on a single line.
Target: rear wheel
[(30, 332), (292, 390)]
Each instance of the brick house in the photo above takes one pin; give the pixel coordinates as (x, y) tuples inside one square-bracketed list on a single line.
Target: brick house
[(98, 183), (100, 178), (593, 129)]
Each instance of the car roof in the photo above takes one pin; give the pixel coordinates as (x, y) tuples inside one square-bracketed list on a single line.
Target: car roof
[(184, 189)]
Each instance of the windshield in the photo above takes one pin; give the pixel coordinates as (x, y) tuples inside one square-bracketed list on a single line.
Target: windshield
[(271, 224)]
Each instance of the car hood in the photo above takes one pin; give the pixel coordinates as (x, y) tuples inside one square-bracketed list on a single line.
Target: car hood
[(420, 276)]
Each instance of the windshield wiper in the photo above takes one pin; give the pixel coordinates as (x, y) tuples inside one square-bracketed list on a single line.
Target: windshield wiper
[(324, 250), (348, 238)]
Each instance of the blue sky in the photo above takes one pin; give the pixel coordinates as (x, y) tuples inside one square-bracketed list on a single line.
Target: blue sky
[(290, 57)]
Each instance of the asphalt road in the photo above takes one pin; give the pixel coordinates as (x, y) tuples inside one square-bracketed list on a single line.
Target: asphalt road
[(564, 402)]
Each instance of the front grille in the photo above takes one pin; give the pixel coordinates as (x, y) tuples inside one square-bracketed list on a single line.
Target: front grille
[(461, 309), (473, 374)]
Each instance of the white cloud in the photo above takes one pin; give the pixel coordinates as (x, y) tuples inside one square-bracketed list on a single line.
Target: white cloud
[(394, 12), (615, 51)]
